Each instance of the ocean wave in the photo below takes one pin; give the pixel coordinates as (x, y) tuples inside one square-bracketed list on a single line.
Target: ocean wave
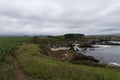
[(101, 46), (116, 42), (113, 64)]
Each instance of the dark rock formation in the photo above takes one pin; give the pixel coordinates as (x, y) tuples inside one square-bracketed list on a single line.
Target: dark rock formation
[(104, 42), (72, 55), (86, 46), (81, 56)]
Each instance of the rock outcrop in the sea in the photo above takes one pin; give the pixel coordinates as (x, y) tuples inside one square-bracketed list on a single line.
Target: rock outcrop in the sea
[(103, 42)]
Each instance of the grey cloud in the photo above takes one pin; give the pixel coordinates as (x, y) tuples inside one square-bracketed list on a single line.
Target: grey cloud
[(59, 16)]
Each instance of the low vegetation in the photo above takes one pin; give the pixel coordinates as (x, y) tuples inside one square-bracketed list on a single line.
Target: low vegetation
[(7, 69), (41, 67), (33, 56), (7, 47)]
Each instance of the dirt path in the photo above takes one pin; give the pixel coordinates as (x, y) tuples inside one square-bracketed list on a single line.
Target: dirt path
[(19, 74)]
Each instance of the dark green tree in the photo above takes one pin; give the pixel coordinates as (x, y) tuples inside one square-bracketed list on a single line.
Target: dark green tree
[(73, 36)]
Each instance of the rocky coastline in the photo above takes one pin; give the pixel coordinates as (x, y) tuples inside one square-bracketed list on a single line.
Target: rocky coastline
[(105, 42), (72, 52)]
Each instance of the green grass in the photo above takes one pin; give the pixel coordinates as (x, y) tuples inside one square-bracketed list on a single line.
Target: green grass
[(43, 40), (36, 66), (7, 47), (7, 69), (9, 44), (44, 68), (8, 41)]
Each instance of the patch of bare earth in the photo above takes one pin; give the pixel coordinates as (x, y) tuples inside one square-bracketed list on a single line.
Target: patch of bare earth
[(19, 73)]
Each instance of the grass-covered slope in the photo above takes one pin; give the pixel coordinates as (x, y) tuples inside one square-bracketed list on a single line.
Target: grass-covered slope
[(39, 67), (7, 69), (7, 47)]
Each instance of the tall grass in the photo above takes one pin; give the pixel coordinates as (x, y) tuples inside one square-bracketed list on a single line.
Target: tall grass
[(45, 68), (7, 47), (9, 44)]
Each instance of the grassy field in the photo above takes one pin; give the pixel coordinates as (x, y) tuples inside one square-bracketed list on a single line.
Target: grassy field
[(37, 66), (8, 41), (7, 47), (9, 44), (7, 69), (40, 67)]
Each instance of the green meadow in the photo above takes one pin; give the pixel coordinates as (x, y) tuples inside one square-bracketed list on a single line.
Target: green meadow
[(7, 47), (37, 66)]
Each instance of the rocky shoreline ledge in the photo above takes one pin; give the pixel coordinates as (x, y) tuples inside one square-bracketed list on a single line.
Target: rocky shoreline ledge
[(72, 52), (105, 42), (75, 52)]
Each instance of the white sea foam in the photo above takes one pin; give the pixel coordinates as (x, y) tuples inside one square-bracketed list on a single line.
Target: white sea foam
[(116, 42), (113, 64), (101, 46)]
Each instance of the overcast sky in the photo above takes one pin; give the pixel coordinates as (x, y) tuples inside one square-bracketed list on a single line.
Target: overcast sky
[(54, 17)]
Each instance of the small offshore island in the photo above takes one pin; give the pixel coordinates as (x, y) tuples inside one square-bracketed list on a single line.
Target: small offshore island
[(61, 57)]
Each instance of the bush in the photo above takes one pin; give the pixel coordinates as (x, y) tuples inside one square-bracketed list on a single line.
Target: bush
[(73, 36)]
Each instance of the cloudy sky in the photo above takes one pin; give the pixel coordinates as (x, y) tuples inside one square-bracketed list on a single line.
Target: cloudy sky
[(54, 17)]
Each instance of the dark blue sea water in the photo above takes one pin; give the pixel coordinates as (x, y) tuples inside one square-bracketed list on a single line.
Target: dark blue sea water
[(106, 54)]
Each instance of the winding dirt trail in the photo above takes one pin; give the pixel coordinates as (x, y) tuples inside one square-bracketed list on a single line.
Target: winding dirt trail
[(19, 74)]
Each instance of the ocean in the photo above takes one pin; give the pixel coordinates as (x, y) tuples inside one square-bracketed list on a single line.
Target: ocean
[(106, 54)]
